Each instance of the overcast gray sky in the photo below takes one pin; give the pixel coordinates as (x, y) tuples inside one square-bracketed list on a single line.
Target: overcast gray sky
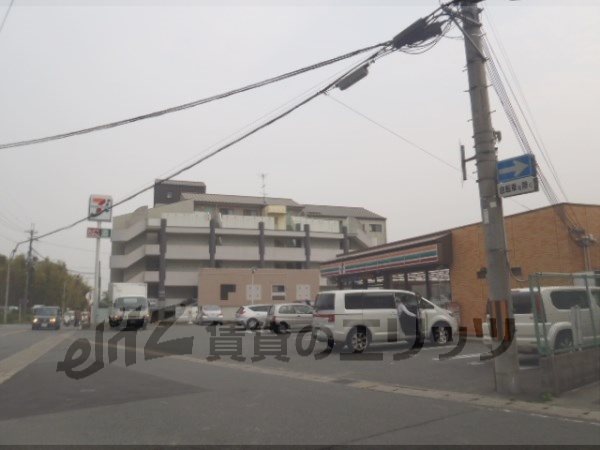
[(65, 66)]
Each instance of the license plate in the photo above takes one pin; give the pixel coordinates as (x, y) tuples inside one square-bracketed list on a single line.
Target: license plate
[(44, 325)]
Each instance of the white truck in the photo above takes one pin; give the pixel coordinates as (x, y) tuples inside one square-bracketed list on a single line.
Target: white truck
[(129, 305), (127, 290)]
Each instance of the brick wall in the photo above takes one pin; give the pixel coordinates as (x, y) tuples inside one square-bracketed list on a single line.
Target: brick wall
[(538, 241)]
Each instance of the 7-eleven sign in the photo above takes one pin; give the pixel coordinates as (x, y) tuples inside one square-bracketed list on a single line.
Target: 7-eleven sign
[(100, 208)]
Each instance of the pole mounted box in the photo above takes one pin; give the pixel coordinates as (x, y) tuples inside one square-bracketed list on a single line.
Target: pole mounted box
[(417, 32)]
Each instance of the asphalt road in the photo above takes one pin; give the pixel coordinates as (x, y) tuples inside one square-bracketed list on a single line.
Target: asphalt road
[(165, 398)]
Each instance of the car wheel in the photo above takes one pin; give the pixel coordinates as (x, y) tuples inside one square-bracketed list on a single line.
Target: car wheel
[(358, 340), (441, 335), (283, 328), (252, 324), (564, 341)]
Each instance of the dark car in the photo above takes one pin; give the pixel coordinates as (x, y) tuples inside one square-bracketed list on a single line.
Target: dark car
[(46, 317)]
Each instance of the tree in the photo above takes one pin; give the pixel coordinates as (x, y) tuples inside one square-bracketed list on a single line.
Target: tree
[(51, 284)]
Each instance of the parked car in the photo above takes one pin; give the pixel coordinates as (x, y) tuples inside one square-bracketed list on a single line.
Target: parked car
[(252, 317), (553, 308), (210, 314), (285, 317), (69, 318), (129, 312), (357, 318), (46, 317)]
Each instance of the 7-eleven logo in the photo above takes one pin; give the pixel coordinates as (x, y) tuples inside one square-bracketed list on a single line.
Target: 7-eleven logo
[(100, 208)]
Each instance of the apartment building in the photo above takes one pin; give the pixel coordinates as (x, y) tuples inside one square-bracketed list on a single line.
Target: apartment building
[(189, 229)]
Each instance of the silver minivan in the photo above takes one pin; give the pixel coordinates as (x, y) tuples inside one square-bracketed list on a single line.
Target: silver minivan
[(552, 305), (357, 318)]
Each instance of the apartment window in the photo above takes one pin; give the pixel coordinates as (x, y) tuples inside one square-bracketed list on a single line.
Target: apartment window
[(376, 227), (226, 211), (250, 212), (226, 289), (169, 195), (278, 292)]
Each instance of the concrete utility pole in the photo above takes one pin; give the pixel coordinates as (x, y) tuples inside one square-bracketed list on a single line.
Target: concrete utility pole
[(7, 285), (25, 300), (506, 364)]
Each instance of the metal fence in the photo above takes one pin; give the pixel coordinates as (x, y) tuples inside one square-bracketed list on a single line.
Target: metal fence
[(559, 312)]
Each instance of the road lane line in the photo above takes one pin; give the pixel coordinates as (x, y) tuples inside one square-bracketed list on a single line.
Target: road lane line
[(13, 332), (15, 363)]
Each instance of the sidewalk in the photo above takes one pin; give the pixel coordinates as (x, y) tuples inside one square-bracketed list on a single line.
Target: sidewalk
[(585, 397)]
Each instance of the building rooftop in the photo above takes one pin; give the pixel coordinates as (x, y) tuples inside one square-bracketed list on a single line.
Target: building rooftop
[(308, 210), (179, 182), (340, 211), (222, 199)]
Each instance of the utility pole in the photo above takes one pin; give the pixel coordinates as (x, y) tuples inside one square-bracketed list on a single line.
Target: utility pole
[(7, 285), (506, 364), (27, 272)]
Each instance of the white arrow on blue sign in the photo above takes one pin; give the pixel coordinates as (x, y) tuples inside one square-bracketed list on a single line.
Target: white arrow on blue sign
[(515, 168)]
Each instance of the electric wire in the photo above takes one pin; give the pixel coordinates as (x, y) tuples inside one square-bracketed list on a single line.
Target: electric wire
[(408, 141), (515, 125), (265, 124), (389, 130), (6, 15), (522, 139), (239, 131), (191, 104), (383, 50), (534, 130)]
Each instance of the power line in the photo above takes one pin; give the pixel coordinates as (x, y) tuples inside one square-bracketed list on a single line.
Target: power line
[(375, 55), (238, 132), (6, 15), (386, 50), (383, 127), (70, 247), (9, 223), (569, 220), (419, 147), (192, 104)]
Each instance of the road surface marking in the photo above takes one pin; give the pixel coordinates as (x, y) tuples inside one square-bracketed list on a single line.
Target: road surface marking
[(17, 362), (13, 332)]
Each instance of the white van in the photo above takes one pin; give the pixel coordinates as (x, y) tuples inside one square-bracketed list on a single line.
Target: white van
[(357, 318), (553, 308)]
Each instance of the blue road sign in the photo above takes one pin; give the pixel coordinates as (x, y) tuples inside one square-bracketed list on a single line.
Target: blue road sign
[(515, 168)]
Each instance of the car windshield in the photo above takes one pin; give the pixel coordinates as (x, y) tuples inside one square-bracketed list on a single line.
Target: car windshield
[(131, 303), (46, 311), (211, 308)]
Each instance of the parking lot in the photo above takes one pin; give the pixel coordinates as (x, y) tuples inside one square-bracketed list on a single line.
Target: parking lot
[(187, 398)]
